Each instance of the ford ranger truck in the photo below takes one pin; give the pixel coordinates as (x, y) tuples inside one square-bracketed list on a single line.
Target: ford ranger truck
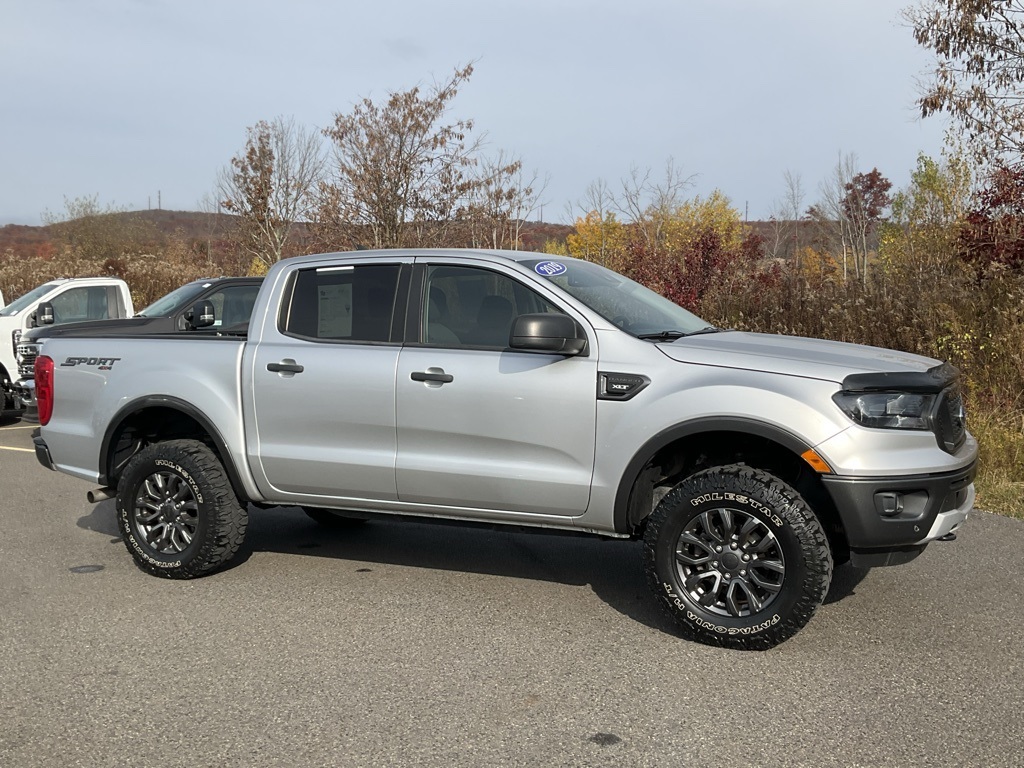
[(527, 390)]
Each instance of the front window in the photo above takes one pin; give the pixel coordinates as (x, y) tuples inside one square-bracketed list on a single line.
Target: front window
[(166, 306), (27, 300), (82, 303), (474, 307), (625, 303)]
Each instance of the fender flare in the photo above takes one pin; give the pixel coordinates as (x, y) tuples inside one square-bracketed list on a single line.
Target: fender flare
[(173, 403), (686, 429)]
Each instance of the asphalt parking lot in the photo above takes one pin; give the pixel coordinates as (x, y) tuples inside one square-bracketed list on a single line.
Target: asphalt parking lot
[(417, 645)]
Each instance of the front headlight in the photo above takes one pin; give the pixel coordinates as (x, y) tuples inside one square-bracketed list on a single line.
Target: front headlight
[(15, 338), (888, 410)]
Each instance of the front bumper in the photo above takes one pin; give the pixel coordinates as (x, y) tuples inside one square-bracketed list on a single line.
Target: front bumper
[(891, 520)]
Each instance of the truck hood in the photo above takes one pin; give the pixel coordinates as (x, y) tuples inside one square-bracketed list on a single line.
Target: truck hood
[(792, 355)]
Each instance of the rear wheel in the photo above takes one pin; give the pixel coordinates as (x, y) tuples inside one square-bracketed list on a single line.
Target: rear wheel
[(737, 558), (178, 515)]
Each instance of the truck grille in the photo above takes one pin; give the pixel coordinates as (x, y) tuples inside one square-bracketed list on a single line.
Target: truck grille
[(950, 424), (27, 359)]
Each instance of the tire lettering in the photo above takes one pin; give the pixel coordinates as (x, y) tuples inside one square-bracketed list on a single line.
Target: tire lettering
[(141, 551), (704, 624), (739, 499), (717, 628), (185, 476)]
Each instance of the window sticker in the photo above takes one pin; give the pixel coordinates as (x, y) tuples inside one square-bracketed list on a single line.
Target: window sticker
[(335, 311), (550, 268)]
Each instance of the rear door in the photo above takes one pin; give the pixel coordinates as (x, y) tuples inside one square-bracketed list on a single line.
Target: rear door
[(482, 426), (322, 389)]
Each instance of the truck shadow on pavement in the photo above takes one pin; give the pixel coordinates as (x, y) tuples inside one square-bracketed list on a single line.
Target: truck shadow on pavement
[(611, 568)]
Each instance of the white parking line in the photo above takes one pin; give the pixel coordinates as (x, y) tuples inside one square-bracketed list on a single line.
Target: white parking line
[(12, 448), (30, 426)]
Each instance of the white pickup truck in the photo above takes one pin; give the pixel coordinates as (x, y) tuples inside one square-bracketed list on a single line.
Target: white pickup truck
[(67, 300), (520, 389)]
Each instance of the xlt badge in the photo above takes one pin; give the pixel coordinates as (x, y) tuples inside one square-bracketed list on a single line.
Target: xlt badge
[(619, 386)]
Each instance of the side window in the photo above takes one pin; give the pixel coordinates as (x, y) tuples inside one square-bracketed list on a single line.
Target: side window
[(233, 304), (349, 303), (472, 307), (80, 304)]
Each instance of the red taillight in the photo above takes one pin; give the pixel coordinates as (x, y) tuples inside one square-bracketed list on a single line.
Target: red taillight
[(44, 388)]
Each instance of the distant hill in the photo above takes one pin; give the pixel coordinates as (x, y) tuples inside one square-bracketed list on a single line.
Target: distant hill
[(30, 242)]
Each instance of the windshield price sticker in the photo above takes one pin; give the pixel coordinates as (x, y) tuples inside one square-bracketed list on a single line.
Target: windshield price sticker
[(550, 269)]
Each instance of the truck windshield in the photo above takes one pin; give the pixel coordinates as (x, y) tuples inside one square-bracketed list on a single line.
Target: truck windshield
[(176, 299), (27, 300), (627, 304)]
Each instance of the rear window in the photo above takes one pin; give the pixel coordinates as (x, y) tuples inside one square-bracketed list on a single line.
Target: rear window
[(347, 303)]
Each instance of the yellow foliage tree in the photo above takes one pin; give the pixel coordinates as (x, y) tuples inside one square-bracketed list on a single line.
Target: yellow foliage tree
[(816, 266), (597, 239), (695, 217)]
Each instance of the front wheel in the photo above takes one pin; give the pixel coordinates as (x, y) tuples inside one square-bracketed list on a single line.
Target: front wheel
[(737, 558), (178, 515)]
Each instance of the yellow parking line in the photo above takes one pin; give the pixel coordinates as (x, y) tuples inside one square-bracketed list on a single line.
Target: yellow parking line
[(10, 448)]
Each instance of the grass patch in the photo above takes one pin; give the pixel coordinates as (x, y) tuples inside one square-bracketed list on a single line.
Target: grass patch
[(1000, 481)]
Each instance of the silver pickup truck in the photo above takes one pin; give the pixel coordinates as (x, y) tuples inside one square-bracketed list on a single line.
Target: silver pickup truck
[(529, 390)]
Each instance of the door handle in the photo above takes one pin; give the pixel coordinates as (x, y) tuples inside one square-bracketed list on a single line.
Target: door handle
[(440, 378), (285, 367)]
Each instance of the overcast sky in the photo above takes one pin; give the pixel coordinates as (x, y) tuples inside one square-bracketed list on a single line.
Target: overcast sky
[(125, 99)]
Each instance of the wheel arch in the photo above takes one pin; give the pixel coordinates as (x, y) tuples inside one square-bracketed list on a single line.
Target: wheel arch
[(679, 451), (158, 418)]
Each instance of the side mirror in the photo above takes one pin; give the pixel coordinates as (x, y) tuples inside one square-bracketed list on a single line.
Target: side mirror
[(547, 333), (44, 314), (203, 315)]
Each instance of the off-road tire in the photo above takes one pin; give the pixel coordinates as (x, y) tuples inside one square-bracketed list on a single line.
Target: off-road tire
[(737, 558), (177, 513), (329, 518)]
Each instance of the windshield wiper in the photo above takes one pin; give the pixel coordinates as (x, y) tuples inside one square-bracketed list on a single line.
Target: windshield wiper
[(706, 329), (672, 335), (662, 335)]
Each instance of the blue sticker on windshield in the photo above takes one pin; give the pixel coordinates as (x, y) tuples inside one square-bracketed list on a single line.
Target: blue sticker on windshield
[(550, 268)]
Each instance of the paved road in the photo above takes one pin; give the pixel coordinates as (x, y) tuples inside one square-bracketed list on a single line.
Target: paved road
[(418, 645)]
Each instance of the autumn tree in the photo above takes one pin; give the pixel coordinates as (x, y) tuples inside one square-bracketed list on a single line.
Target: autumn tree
[(979, 70), (919, 241), (690, 221), (785, 218), (865, 201), (651, 205), (269, 186), (597, 226), (500, 202), (599, 238), (399, 174), (850, 207), (992, 235)]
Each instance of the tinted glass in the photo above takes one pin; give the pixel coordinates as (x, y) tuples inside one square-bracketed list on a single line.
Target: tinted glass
[(473, 307), (351, 303)]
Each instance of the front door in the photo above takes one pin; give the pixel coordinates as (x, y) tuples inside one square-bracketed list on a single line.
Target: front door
[(480, 425)]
